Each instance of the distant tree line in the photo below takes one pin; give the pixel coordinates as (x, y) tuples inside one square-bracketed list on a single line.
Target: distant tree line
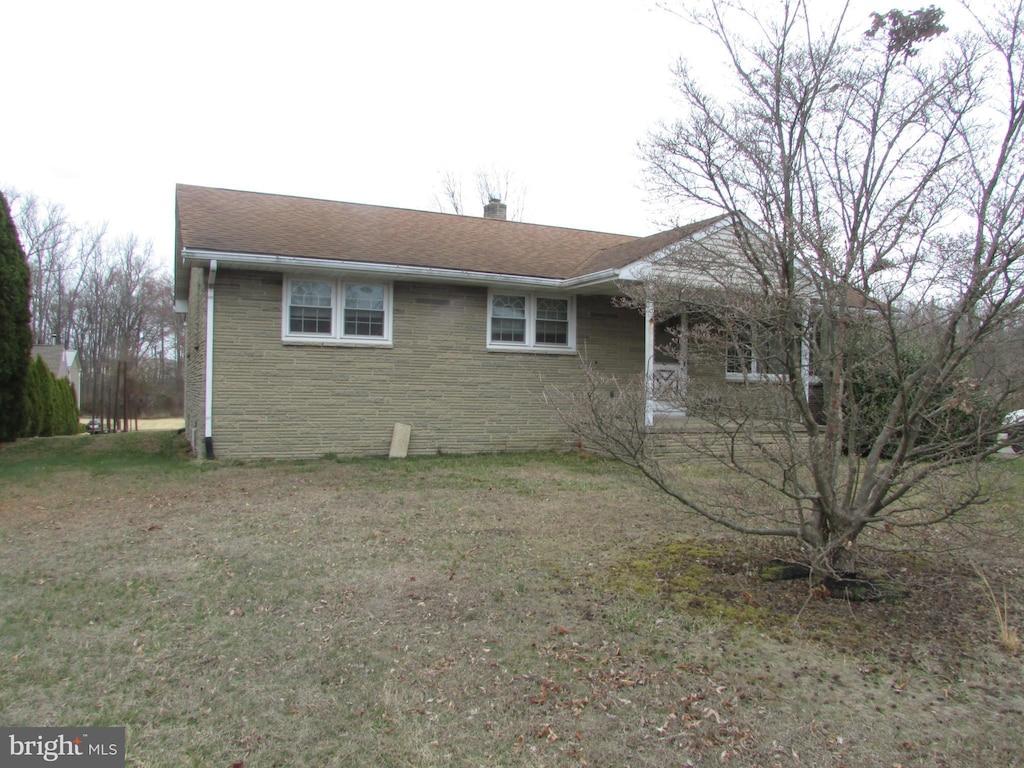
[(108, 298)]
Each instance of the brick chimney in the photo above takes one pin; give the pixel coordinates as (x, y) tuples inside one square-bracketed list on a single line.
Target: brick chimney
[(495, 209)]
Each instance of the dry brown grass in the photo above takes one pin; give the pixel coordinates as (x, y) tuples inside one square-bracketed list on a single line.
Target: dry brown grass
[(492, 610), (1007, 634)]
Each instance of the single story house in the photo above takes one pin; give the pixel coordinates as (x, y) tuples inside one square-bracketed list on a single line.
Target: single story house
[(314, 327), (63, 364)]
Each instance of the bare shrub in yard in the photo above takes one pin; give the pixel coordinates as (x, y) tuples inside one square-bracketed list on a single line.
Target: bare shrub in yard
[(861, 290)]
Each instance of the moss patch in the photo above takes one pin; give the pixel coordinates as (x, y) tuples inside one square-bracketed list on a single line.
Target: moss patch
[(708, 578)]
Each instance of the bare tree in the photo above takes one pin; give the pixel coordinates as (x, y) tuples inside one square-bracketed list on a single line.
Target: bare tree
[(108, 300), (501, 184), (449, 199), (859, 301), (59, 254), (491, 184)]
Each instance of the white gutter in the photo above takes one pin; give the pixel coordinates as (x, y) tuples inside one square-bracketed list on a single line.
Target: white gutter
[(304, 263), (594, 278), (208, 432)]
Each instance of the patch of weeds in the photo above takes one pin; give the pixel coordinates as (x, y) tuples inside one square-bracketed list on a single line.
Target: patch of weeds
[(1007, 635)]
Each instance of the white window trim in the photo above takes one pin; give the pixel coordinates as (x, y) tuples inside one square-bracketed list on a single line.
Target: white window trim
[(530, 345), (755, 376), (337, 336)]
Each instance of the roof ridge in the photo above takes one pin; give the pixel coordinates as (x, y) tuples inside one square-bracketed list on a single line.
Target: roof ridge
[(331, 201)]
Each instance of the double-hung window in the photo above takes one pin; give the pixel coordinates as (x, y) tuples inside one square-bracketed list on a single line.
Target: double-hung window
[(755, 352), (310, 306), (343, 311), (362, 309), (531, 322)]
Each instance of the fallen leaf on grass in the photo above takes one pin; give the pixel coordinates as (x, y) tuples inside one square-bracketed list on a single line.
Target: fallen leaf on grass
[(546, 732)]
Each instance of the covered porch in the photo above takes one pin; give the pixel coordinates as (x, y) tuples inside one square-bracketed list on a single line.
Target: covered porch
[(681, 371)]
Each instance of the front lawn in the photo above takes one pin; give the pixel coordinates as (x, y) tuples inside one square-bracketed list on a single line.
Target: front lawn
[(524, 609)]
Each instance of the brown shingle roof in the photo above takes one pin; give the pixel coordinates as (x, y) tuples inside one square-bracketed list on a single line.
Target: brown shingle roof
[(248, 222)]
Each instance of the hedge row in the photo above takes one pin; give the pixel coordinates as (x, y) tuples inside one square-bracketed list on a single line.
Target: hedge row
[(49, 403)]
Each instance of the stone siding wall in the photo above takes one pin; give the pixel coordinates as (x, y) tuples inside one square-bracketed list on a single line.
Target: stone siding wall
[(283, 400)]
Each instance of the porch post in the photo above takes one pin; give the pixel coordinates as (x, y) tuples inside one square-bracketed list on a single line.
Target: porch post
[(649, 363), (805, 353), (684, 354)]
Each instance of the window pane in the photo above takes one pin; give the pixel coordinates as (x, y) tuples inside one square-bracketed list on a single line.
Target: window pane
[(508, 318), (309, 293), (772, 355), (552, 321), (740, 355), (309, 309), (553, 309), (364, 310), (667, 334), (364, 297), (739, 360), (309, 320)]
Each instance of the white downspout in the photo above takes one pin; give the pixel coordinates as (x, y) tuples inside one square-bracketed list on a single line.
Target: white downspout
[(208, 431)]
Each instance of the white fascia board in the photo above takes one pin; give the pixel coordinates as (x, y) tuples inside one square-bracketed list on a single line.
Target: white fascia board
[(399, 271)]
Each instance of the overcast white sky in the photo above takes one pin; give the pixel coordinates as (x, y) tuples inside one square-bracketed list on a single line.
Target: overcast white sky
[(108, 104), (369, 101)]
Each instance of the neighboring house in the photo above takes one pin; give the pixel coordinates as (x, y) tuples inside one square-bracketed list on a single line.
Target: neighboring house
[(64, 364), (313, 327)]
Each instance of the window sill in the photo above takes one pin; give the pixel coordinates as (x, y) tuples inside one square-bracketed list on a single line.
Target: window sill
[(756, 378), (376, 343), (523, 349)]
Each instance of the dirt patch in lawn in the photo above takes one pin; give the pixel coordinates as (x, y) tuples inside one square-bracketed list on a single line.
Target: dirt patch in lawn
[(507, 610)]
